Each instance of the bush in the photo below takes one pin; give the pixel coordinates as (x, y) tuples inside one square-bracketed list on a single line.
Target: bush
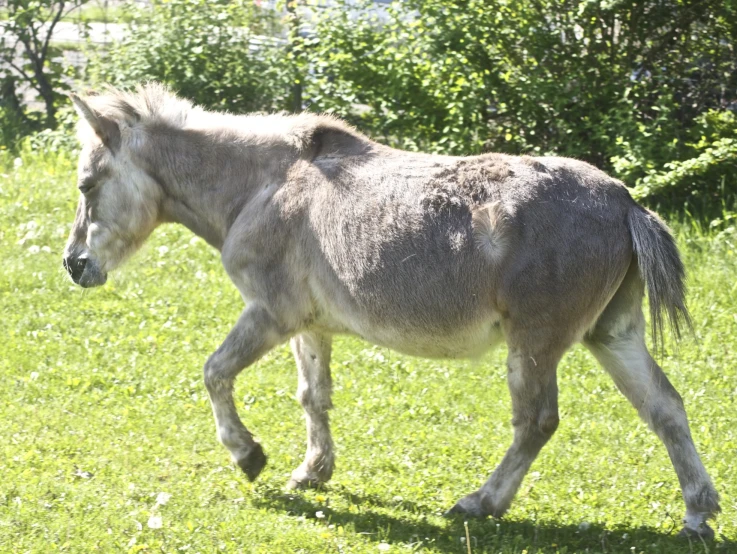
[(623, 85), (203, 50), (61, 139), (641, 89), (708, 169), (385, 74), (13, 126)]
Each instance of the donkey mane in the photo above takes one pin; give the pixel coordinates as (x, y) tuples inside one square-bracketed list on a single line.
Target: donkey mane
[(154, 104), (148, 103)]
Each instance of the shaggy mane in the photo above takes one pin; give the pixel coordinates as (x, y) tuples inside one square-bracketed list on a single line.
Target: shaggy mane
[(148, 103), (154, 103)]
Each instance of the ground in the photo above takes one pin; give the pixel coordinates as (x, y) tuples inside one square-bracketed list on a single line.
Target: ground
[(108, 444)]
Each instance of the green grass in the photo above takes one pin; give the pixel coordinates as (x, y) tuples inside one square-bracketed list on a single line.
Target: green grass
[(103, 407)]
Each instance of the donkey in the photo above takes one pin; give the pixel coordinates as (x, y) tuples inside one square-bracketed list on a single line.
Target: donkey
[(324, 231)]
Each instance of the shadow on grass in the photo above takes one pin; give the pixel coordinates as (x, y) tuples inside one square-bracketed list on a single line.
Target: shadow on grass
[(412, 526)]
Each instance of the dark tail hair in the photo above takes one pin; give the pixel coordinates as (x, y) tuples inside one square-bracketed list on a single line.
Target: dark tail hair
[(662, 271)]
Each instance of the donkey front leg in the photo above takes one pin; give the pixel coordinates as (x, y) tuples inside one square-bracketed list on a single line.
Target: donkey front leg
[(312, 354), (255, 334), (534, 391)]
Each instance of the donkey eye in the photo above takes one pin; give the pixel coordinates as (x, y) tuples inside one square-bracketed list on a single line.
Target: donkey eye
[(86, 186)]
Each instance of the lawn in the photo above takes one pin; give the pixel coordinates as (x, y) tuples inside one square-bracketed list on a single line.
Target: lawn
[(107, 441)]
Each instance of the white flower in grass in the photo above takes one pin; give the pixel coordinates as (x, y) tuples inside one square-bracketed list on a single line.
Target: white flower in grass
[(319, 515), (162, 498), (384, 547), (163, 250), (155, 522)]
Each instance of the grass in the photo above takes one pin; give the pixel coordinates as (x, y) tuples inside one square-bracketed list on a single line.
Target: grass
[(103, 409)]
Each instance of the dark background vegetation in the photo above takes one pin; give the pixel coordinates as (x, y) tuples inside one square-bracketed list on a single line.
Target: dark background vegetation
[(644, 89)]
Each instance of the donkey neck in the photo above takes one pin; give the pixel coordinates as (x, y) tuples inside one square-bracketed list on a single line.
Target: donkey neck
[(208, 176)]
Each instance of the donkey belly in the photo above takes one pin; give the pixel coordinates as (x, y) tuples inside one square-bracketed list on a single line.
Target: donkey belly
[(466, 342), (430, 317)]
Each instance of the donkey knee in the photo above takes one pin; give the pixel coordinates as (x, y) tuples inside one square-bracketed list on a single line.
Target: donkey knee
[(548, 423), (539, 427), (315, 400), (665, 413), (230, 430), (217, 377)]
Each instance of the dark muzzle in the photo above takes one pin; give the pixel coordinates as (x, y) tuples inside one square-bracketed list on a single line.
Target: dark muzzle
[(75, 267)]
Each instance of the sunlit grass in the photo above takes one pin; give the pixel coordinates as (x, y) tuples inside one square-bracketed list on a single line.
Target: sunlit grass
[(103, 409)]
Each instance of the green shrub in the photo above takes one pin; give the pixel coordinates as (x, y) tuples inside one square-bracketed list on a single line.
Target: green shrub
[(202, 49), (623, 85), (638, 88), (387, 76), (61, 139), (12, 127), (705, 164)]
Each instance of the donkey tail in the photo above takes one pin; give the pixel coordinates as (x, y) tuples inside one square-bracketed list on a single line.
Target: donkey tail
[(661, 269)]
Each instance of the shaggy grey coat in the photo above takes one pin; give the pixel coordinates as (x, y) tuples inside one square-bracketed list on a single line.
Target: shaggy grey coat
[(324, 231)]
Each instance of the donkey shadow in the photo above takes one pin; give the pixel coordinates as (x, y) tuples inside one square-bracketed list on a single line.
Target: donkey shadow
[(486, 535)]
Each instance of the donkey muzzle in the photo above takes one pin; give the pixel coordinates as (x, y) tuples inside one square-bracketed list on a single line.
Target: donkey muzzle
[(84, 271)]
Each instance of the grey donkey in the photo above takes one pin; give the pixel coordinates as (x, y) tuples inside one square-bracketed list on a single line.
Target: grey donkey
[(324, 231)]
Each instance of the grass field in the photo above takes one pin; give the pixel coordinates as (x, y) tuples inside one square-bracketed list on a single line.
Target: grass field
[(107, 442)]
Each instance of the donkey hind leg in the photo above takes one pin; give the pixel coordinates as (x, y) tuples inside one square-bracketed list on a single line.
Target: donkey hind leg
[(618, 344), (254, 334), (312, 354), (534, 391)]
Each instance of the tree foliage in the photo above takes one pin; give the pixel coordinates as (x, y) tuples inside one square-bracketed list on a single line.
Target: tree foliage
[(606, 82), (29, 57), (206, 50), (645, 89)]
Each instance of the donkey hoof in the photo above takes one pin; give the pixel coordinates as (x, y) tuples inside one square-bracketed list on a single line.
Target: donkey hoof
[(303, 484), (252, 463), (702, 532), (303, 479), (468, 506)]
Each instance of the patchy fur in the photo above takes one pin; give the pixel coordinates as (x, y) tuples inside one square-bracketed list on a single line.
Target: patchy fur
[(324, 231), (491, 230)]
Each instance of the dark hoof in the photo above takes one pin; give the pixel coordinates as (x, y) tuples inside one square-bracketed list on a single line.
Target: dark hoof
[(305, 484), (455, 511), (477, 506), (703, 532), (459, 510), (253, 462)]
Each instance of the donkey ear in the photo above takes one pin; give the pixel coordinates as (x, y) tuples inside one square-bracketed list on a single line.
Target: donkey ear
[(104, 127)]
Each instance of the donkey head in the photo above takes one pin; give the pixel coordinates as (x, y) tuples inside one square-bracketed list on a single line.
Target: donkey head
[(119, 201)]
